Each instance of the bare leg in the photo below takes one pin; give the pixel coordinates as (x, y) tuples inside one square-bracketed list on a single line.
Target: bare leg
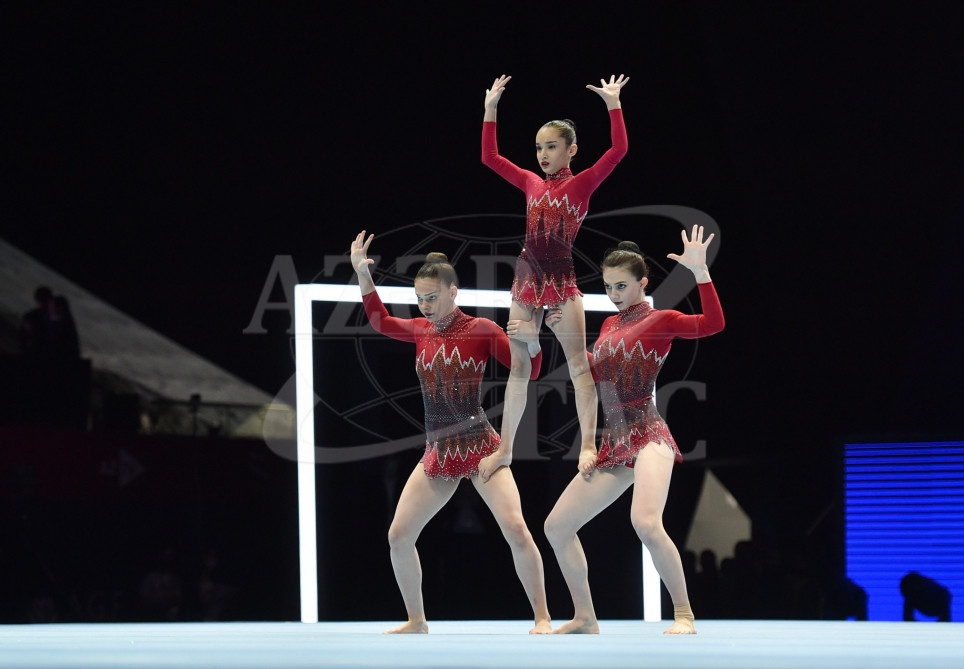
[(653, 471), (516, 389), (501, 495), (581, 501), (421, 499), (571, 333)]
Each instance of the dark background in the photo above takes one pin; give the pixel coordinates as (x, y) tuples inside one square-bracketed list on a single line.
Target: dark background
[(161, 155)]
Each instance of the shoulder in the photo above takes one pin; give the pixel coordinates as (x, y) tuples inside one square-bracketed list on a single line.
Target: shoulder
[(610, 323), (483, 325)]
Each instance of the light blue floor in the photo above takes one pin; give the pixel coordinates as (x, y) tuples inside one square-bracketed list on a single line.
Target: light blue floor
[(729, 644)]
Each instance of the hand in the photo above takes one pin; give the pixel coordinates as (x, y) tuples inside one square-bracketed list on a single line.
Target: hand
[(693, 257), (490, 464), (609, 91), (359, 252), (587, 463), (553, 316), (492, 95), (524, 331)]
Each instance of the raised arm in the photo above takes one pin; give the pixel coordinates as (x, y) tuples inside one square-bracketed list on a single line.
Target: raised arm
[(392, 326), (693, 258), (362, 263), (609, 92), (505, 168)]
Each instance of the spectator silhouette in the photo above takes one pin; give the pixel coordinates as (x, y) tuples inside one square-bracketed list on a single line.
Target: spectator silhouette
[(844, 600), (61, 342), (54, 381), (33, 326), (707, 584), (160, 590), (926, 596)]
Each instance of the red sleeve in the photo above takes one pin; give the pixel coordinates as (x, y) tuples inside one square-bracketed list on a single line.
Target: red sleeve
[(505, 168), (694, 326), (501, 349), (402, 329), (608, 161), (713, 321), (536, 366)]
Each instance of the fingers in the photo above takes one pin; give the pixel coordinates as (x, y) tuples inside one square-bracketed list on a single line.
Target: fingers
[(613, 81), (499, 83), (361, 244), (696, 236)]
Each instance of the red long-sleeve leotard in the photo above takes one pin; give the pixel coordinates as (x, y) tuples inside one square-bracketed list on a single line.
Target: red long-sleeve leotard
[(626, 359), (450, 359), (555, 208)]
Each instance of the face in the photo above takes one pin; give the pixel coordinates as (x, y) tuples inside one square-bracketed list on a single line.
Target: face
[(551, 150), (435, 300), (624, 289)]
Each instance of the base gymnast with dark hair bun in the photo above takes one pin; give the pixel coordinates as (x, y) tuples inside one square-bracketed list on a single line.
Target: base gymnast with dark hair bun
[(451, 353), (636, 448)]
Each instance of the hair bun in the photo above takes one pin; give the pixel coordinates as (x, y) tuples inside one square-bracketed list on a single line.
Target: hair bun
[(632, 247), (436, 257)]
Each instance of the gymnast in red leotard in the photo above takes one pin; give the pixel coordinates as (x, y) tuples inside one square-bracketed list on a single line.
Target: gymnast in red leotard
[(636, 448), (556, 205), (451, 352)]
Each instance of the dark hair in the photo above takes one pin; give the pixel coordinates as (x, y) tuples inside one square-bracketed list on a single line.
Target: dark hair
[(437, 266), (628, 256), (43, 294), (566, 128)]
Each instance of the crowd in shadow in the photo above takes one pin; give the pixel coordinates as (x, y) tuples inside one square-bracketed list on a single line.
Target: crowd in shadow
[(167, 588), (760, 581), (764, 582)]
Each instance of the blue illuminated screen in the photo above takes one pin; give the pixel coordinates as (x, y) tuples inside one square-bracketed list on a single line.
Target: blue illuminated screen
[(904, 512)]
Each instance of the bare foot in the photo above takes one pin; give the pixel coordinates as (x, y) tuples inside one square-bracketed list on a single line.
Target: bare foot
[(411, 627), (577, 626), (542, 627), (681, 627)]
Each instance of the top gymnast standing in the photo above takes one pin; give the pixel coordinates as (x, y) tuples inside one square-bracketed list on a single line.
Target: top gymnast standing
[(556, 204)]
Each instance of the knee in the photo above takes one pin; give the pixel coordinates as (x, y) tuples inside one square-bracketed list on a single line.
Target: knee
[(400, 537), (516, 532), (557, 530), (520, 368), (647, 525)]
